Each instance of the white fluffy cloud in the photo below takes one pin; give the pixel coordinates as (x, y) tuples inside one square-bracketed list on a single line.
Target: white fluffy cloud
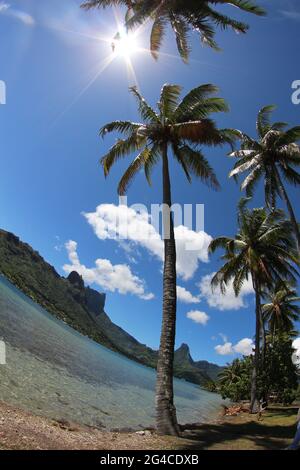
[(227, 301), (296, 355), (186, 296), (192, 248), (244, 346), (125, 223), (110, 277), (224, 349), (198, 317)]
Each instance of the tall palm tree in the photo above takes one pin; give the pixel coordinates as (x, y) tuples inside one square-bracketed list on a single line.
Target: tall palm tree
[(183, 16), (180, 126), (280, 310), (274, 158), (262, 250)]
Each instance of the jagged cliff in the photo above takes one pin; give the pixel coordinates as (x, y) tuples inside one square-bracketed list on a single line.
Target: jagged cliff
[(83, 308)]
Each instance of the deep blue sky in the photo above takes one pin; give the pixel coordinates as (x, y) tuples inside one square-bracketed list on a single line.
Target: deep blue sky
[(50, 149)]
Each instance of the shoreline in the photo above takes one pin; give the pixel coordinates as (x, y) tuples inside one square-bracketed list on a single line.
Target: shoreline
[(22, 430)]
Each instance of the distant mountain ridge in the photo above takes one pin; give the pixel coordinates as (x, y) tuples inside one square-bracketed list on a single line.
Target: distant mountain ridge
[(83, 308)]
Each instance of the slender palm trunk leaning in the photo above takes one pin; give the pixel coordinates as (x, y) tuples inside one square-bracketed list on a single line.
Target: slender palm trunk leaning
[(254, 402), (165, 409), (289, 206)]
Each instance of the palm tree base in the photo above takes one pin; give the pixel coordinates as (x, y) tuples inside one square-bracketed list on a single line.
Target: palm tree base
[(167, 421), (254, 407)]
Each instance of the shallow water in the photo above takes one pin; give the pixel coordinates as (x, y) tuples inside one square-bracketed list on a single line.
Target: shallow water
[(56, 372)]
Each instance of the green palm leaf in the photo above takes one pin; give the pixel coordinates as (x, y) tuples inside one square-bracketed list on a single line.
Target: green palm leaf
[(145, 109), (195, 162), (169, 100), (132, 170), (263, 124), (157, 35)]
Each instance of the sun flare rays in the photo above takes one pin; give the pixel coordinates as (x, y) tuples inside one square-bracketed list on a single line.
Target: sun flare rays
[(122, 46)]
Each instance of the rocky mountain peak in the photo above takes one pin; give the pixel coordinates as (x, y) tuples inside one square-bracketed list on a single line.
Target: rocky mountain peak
[(183, 354), (76, 280), (184, 347)]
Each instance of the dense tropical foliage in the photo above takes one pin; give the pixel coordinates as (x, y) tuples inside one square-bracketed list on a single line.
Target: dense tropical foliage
[(235, 380), (264, 251), (277, 375), (183, 17)]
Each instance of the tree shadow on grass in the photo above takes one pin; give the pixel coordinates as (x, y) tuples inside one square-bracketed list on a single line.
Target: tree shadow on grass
[(252, 434)]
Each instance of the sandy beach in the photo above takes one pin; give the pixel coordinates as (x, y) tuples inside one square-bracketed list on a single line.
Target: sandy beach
[(20, 430)]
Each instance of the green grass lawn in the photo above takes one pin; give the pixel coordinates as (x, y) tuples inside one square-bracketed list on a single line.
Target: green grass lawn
[(274, 430)]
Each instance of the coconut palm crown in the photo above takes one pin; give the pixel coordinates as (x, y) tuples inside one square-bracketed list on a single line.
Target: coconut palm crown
[(183, 16), (280, 309), (180, 124), (274, 158), (263, 248)]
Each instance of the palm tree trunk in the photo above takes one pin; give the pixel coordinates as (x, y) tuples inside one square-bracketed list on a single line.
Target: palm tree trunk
[(289, 207), (254, 403), (264, 396), (166, 420), (263, 337)]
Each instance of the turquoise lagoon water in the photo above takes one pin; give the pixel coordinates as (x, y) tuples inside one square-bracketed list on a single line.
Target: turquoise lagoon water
[(56, 372)]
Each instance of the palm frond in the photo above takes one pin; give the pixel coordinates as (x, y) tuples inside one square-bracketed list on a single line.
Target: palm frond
[(241, 166), (89, 4), (151, 161), (291, 136), (292, 176), (220, 242), (120, 149), (168, 100), (145, 110), (183, 17), (248, 6), (203, 131), (181, 30), (132, 170), (157, 34), (263, 124), (194, 98), (125, 127), (194, 162), (252, 180)]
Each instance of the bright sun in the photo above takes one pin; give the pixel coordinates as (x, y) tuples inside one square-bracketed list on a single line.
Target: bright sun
[(125, 44)]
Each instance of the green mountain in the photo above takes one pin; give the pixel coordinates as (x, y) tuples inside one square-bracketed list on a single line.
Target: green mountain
[(83, 308)]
